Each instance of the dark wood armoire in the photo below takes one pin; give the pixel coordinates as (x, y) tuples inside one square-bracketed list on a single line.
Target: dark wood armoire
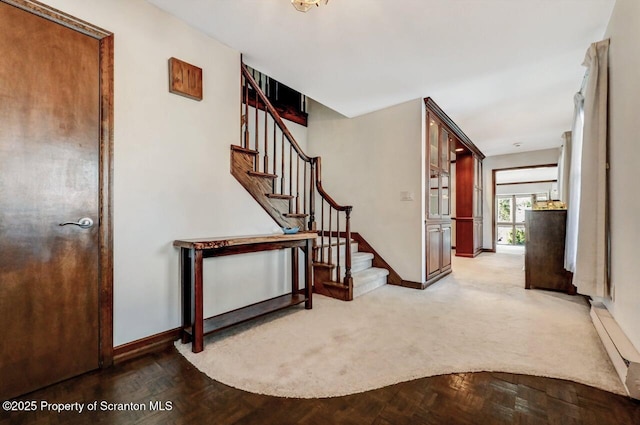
[(544, 251)]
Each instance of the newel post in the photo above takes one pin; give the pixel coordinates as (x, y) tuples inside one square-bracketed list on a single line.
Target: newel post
[(348, 280)]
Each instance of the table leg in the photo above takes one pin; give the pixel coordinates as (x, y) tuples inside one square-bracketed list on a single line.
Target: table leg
[(308, 282), (186, 282), (295, 279), (198, 322)]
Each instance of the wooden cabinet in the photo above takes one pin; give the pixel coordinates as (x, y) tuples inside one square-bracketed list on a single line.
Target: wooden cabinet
[(468, 204), (442, 137), (544, 251), (438, 214)]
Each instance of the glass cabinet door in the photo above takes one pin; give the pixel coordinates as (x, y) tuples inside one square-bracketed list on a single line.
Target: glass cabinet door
[(477, 201), (434, 193), (434, 143), (446, 202), (444, 150)]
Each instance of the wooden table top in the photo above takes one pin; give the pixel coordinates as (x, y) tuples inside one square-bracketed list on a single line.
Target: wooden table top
[(221, 242)]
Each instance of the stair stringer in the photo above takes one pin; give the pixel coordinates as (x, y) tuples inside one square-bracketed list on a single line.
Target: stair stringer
[(322, 283), (242, 163)]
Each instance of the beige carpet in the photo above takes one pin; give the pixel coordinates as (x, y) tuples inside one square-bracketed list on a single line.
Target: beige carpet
[(477, 319)]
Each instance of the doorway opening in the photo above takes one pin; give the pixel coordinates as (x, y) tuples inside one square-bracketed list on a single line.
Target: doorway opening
[(515, 191)]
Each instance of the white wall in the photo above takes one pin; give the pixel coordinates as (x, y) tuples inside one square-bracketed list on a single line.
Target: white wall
[(624, 102), (367, 162), (490, 163), (172, 178)]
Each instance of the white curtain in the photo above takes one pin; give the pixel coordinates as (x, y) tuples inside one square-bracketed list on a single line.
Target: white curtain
[(586, 243), (573, 195), (564, 165)]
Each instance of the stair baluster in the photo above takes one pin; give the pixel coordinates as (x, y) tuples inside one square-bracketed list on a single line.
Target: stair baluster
[(282, 166), (266, 144), (245, 118), (290, 175), (347, 247)]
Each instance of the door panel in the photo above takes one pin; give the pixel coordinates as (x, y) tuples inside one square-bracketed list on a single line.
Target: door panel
[(49, 153)]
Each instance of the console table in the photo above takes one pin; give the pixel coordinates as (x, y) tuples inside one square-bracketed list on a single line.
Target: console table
[(192, 251)]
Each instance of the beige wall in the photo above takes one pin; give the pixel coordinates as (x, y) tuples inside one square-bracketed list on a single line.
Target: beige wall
[(172, 177), (367, 162), (624, 103)]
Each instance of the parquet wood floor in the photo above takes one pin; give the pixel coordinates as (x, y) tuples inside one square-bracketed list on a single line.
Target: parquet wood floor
[(464, 398)]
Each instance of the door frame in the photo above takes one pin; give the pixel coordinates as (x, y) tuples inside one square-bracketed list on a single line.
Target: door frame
[(105, 184), (494, 197)]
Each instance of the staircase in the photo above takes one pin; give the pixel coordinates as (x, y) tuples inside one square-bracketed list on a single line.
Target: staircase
[(364, 276), (287, 183)]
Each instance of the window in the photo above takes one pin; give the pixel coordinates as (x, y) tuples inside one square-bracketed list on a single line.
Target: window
[(510, 220)]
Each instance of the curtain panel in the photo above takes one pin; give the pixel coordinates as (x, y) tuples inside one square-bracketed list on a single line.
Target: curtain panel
[(564, 165), (587, 239), (575, 175)]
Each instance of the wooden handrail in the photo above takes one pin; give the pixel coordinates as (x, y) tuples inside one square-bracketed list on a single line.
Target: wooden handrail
[(272, 111), (322, 192)]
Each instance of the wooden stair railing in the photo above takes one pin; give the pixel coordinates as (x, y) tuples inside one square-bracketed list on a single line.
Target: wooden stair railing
[(333, 234), (272, 166)]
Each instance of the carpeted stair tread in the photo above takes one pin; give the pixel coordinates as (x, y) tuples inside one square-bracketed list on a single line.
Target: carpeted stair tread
[(359, 261), (334, 241), (358, 258), (365, 276)]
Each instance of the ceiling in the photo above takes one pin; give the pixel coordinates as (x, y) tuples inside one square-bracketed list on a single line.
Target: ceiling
[(504, 70)]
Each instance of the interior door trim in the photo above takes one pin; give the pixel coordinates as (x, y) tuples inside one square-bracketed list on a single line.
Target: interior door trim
[(105, 215), (494, 196)]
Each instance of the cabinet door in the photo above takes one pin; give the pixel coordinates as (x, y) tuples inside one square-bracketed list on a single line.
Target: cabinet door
[(434, 250), (477, 189), (433, 167), (434, 193), (446, 247), (445, 160), (445, 199), (477, 235), (434, 143)]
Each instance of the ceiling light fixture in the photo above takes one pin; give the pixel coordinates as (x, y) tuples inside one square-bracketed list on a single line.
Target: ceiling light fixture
[(305, 5)]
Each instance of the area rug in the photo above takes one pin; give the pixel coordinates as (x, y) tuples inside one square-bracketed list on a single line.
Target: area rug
[(479, 318)]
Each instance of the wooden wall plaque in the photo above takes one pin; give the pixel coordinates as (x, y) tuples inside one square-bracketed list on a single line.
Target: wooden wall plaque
[(185, 79)]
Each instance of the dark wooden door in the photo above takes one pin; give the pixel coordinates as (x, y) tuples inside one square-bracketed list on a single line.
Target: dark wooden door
[(49, 171)]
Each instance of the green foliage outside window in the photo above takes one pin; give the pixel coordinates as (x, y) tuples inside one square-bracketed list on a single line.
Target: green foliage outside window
[(504, 209), (519, 237)]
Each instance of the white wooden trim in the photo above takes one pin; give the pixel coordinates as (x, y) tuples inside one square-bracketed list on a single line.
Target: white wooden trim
[(623, 354)]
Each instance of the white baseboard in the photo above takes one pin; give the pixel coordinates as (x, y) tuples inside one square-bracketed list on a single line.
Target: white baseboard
[(624, 356)]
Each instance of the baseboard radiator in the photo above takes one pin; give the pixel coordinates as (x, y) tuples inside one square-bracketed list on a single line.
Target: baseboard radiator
[(624, 356)]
